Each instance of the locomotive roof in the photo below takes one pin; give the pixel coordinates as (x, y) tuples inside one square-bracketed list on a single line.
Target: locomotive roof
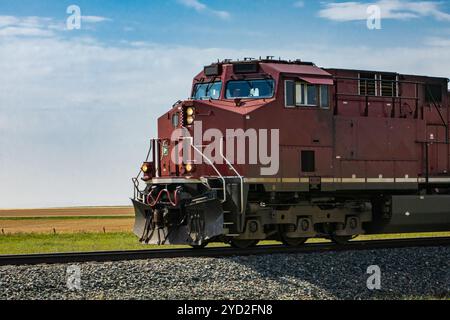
[(267, 60), (305, 67), (279, 66), (385, 72), (300, 68)]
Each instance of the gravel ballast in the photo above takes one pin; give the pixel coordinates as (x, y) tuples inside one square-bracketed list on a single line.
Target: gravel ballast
[(412, 273)]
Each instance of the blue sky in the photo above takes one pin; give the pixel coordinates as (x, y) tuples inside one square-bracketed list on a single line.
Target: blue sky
[(257, 24), (77, 107)]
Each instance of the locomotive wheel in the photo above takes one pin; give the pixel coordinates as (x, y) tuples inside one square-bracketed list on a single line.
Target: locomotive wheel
[(243, 244), (287, 241), (341, 239), (293, 242), (197, 247)]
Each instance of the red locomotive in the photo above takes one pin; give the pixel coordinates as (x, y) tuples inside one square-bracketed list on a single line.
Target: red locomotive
[(285, 150)]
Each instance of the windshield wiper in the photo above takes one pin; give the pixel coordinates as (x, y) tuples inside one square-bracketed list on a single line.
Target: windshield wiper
[(197, 86), (210, 86), (249, 83)]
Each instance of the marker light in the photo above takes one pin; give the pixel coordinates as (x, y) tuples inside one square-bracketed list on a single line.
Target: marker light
[(144, 168), (190, 111), (189, 167), (190, 120)]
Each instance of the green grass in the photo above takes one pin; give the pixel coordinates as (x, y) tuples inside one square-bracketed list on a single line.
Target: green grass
[(404, 235), (77, 242), (31, 243), (82, 242)]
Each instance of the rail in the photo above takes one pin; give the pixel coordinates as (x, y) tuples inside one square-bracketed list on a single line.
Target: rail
[(111, 256)]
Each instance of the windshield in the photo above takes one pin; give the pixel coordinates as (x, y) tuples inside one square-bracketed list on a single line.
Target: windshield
[(205, 91), (258, 89)]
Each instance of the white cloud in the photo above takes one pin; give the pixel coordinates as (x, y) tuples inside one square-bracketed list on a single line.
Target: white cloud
[(438, 42), (31, 32), (7, 21), (197, 5), (201, 7), (390, 9), (37, 26), (94, 19), (26, 22), (11, 26)]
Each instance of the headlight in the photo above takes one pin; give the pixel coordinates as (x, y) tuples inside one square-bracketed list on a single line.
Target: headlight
[(190, 111), (144, 168), (189, 167), (189, 115), (190, 120)]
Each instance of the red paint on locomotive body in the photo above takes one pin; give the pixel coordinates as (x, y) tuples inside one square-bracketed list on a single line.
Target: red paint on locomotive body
[(378, 136)]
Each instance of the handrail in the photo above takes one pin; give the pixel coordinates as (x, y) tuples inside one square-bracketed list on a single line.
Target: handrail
[(137, 192), (376, 97), (156, 156), (155, 149), (396, 96), (237, 173), (211, 164), (378, 80), (439, 113)]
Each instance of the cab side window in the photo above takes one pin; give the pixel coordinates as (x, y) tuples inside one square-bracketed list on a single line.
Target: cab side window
[(302, 94), (433, 93), (290, 94)]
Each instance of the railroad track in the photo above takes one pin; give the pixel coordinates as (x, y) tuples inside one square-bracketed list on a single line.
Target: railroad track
[(110, 256)]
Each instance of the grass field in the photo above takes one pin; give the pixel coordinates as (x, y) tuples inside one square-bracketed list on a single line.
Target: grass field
[(66, 225), (67, 220), (21, 243)]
